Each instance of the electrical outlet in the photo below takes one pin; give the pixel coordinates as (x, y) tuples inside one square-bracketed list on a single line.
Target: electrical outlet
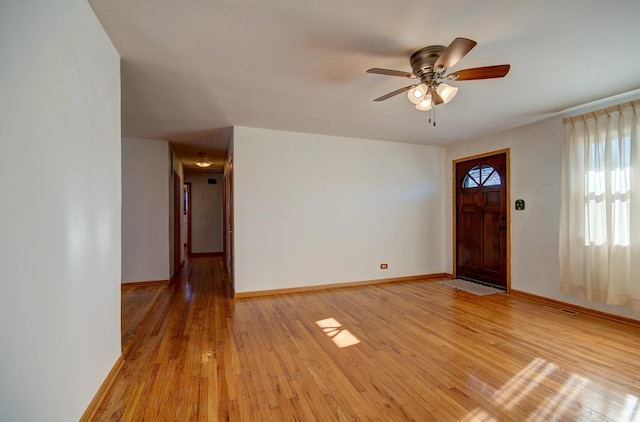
[(383, 266)]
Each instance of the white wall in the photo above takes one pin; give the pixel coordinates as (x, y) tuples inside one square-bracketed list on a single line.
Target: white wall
[(206, 211), (313, 209), (536, 159), (60, 219), (145, 210)]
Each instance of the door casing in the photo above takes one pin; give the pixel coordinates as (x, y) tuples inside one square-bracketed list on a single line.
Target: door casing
[(228, 218)]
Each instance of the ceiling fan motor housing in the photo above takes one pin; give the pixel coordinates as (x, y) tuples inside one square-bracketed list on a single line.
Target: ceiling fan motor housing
[(423, 60)]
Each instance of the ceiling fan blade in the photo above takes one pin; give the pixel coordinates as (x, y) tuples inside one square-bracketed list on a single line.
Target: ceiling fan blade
[(396, 92), (437, 99), (390, 72), (452, 55), (488, 72)]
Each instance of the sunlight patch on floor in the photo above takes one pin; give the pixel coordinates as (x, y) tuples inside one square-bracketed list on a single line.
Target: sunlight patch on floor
[(556, 405), (631, 410), (332, 328), (478, 415), (538, 373), (523, 382)]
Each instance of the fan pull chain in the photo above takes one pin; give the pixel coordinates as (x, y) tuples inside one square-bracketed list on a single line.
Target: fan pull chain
[(432, 109), (434, 114)]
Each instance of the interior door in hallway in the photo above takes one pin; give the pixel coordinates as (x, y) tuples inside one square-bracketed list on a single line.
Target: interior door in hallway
[(481, 219), (177, 223)]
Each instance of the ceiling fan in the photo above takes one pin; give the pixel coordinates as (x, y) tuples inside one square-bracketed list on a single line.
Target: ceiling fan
[(430, 66)]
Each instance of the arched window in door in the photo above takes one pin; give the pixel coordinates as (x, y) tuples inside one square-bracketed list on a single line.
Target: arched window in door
[(482, 175)]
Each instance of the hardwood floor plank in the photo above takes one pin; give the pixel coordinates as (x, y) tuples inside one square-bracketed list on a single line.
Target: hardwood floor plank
[(137, 303), (391, 352)]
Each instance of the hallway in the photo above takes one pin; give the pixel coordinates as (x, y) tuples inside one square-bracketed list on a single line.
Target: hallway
[(399, 351)]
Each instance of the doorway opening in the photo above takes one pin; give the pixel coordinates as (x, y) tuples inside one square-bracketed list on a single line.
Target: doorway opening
[(186, 218)]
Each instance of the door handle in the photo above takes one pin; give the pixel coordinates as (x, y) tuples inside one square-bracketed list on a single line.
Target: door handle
[(503, 227)]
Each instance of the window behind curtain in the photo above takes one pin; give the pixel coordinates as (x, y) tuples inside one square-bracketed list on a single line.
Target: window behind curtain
[(607, 183), (600, 218)]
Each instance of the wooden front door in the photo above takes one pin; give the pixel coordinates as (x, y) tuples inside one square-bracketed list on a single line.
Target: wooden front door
[(481, 219)]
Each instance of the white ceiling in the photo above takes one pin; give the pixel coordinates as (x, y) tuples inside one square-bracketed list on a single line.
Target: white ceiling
[(193, 68)]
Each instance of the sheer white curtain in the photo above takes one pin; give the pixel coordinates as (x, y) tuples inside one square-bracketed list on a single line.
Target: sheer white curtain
[(600, 216)]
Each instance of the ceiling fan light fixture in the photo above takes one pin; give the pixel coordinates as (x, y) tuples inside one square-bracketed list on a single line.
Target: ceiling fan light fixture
[(446, 92), (425, 104), (416, 94)]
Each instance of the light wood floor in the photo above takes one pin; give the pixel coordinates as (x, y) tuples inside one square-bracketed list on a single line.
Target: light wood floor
[(403, 351), (137, 303)]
